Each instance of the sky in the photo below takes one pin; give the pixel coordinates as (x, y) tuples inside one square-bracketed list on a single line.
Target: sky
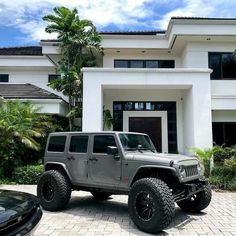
[(21, 21)]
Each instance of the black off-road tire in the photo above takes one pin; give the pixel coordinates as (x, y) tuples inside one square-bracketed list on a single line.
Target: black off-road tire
[(198, 202), (100, 195), (154, 194), (54, 190)]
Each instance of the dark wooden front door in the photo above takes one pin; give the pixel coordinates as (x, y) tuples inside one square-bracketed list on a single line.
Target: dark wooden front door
[(150, 126)]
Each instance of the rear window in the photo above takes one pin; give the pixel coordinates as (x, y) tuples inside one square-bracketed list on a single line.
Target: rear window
[(79, 144), (57, 144)]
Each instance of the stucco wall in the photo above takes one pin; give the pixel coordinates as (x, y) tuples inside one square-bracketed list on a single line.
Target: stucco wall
[(35, 76)]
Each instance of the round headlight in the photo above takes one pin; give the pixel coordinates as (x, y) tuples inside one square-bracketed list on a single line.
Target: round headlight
[(200, 168)]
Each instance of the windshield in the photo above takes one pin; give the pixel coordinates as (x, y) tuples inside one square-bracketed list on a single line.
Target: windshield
[(136, 142)]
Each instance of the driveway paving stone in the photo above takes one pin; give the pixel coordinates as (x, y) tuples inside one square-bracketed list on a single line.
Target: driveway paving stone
[(88, 217)]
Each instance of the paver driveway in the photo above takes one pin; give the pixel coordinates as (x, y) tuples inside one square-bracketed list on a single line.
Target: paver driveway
[(85, 216)]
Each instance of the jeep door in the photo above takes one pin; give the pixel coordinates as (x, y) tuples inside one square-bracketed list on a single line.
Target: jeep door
[(77, 157), (103, 168)]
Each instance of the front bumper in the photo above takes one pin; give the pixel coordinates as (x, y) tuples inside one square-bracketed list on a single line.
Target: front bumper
[(27, 226), (189, 189)]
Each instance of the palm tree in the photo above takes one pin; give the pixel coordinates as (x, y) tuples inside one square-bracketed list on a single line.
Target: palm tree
[(19, 125), (78, 39)]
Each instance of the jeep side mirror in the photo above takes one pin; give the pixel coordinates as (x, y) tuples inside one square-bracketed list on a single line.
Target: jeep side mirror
[(112, 150)]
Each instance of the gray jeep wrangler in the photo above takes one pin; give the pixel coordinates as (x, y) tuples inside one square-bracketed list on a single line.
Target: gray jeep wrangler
[(106, 163)]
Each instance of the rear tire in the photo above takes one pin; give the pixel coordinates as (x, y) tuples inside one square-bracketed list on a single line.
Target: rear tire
[(151, 205), (197, 202), (100, 195), (54, 190)]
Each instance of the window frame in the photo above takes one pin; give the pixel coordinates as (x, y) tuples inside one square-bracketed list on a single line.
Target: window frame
[(221, 65), (223, 125), (50, 80), (77, 135), (64, 144), (144, 63)]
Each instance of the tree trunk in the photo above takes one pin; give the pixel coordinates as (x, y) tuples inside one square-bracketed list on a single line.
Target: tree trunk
[(70, 120)]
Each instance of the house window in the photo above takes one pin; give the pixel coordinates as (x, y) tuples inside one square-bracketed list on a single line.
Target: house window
[(53, 77), (4, 78), (224, 133), (144, 63), (223, 66)]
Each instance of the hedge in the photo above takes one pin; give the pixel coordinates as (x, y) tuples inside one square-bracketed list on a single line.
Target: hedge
[(27, 174)]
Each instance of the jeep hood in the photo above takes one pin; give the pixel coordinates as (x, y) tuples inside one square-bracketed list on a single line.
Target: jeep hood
[(161, 158)]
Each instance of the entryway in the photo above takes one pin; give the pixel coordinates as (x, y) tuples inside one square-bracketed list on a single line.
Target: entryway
[(153, 123), (150, 126)]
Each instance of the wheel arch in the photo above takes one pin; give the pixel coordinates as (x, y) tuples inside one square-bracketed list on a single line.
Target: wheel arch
[(58, 166), (154, 171)]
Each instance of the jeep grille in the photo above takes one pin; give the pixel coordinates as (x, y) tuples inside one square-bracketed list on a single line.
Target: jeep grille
[(191, 170)]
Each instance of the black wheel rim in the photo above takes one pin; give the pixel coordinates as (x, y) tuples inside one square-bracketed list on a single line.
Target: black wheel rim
[(145, 206), (48, 191)]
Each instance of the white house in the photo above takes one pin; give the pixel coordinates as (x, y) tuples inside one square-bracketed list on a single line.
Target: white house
[(178, 85), (24, 75)]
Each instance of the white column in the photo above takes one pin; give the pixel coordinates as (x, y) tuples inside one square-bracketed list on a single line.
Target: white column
[(202, 114), (197, 121), (92, 105)]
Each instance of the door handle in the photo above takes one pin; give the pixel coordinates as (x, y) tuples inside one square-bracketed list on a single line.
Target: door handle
[(71, 158), (93, 159)]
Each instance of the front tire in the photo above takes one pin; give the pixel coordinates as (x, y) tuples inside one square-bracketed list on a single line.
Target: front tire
[(54, 190), (198, 201), (100, 195), (151, 205)]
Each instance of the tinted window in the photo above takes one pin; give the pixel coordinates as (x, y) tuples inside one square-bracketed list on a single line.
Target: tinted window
[(4, 78), (151, 64), (121, 64), (223, 65), (224, 133), (53, 77), (144, 63), (101, 143), (57, 144), (228, 66), (166, 64), (215, 65), (136, 64), (78, 144)]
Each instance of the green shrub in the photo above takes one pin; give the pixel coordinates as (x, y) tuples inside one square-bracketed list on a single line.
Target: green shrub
[(27, 174), (223, 171), (232, 185), (223, 177), (224, 153), (205, 156), (7, 181)]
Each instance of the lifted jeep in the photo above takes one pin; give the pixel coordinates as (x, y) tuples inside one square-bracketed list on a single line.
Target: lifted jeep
[(106, 163)]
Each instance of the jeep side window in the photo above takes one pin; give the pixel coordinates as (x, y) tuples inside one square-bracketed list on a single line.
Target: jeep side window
[(101, 142), (57, 144), (79, 144)]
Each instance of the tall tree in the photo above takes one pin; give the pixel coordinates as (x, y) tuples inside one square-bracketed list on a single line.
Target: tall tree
[(78, 41)]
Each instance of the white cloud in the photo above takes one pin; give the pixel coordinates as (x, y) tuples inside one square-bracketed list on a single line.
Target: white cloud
[(199, 8), (26, 15)]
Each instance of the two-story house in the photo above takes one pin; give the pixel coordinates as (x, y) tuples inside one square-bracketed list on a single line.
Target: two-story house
[(178, 85)]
